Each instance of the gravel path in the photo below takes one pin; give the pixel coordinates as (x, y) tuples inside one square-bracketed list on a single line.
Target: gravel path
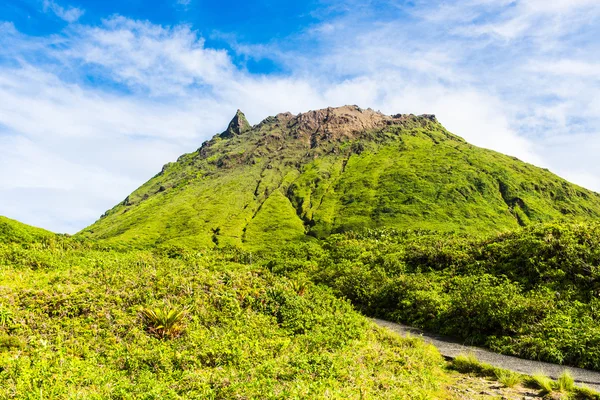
[(451, 348)]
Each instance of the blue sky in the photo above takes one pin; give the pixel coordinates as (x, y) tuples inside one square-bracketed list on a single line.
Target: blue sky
[(95, 96)]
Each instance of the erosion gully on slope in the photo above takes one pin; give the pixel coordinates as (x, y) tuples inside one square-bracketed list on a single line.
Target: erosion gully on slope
[(451, 348)]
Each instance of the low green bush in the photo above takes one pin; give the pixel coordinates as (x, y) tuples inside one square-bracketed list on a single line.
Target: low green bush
[(532, 293)]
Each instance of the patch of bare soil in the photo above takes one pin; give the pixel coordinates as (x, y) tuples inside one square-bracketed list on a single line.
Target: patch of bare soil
[(473, 387)]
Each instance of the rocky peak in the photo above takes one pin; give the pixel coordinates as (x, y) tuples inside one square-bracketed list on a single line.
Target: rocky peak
[(238, 125), (342, 122)]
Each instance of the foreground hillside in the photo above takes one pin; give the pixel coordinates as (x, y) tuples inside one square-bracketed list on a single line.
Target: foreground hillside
[(298, 177), (79, 323)]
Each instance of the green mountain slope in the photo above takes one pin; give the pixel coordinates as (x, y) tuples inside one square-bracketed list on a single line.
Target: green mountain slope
[(335, 170), (12, 231)]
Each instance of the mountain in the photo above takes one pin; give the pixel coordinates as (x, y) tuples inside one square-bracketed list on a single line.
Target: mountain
[(12, 231), (293, 177)]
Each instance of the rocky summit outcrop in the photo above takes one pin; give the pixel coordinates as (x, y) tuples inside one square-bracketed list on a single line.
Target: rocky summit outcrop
[(238, 125), (336, 123), (331, 123), (293, 177)]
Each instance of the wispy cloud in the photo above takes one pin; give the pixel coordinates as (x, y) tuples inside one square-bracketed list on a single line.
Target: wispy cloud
[(89, 114), (69, 14)]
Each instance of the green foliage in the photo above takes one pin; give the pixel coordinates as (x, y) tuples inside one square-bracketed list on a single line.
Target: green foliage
[(275, 224), (407, 222), (531, 293), (12, 231), (6, 317), (508, 378), (72, 329), (585, 393), (565, 382), (469, 364), (542, 382), (165, 322)]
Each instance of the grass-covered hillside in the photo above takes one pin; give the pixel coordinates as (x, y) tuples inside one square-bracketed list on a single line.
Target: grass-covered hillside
[(534, 292), (12, 231), (299, 177), (79, 323)]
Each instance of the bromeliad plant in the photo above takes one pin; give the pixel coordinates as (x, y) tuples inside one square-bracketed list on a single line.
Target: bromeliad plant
[(6, 317), (163, 323)]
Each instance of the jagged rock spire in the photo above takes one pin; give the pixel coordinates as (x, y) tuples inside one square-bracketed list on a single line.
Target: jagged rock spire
[(238, 125)]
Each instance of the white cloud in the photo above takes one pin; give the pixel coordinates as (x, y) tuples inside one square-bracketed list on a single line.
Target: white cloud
[(70, 150), (147, 56), (510, 20), (578, 68), (70, 14)]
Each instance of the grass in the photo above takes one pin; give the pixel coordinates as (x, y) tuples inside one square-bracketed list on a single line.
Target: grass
[(542, 382), (468, 363), (459, 261), (12, 231), (508, 378), (565, 382), (80, 318), (528, 293), (76, 331)]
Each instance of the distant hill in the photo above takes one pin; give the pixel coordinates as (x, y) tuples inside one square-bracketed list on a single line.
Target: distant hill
[(12, 231), (293, 177)]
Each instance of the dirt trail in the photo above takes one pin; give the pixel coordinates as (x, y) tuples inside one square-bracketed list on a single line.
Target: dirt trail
[(451, 348)]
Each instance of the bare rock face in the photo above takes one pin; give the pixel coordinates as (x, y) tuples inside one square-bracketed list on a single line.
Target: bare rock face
[(324, 125), (340, 123), (238, 125)]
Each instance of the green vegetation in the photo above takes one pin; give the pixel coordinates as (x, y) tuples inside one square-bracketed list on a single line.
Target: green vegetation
[(542, 382), (239, 271), (163, 322), (12, 231), (565, 382), (531, 293), (316, 174), (565, 385), (509, 378), (77, 322), (469, 364)]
